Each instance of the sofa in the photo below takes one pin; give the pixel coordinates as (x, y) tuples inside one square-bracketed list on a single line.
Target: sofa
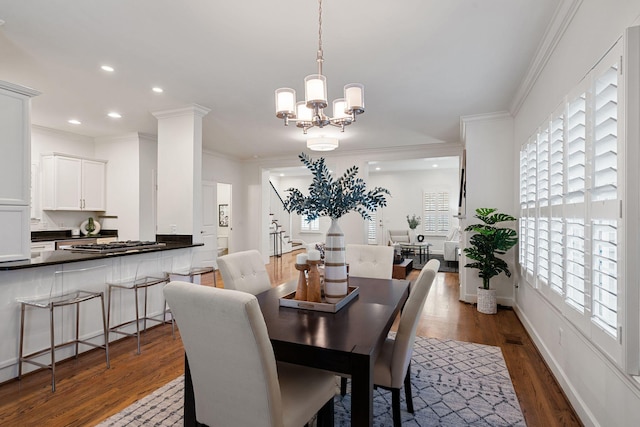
[(451, 245)]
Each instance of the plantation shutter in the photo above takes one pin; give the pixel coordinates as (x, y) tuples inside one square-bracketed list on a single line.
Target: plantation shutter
[(436, 212)]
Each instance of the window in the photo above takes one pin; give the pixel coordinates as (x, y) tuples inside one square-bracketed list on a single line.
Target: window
[(305, 225), (372, 235), (436, 212), (570, 206)]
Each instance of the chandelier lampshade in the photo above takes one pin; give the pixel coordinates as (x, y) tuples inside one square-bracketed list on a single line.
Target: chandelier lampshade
[(322, 144), (310, 112)]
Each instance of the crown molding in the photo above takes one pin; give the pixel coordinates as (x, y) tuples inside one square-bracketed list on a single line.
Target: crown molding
[(22, 90), (562, 17), (498, 115), (193, 109)]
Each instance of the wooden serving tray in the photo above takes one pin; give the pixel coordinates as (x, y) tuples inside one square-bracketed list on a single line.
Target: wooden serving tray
[(289, 301)]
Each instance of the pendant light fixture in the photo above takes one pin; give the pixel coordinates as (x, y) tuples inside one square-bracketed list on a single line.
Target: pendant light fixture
[(310, 112)]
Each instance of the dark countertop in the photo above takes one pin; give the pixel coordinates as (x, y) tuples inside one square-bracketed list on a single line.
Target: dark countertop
[(64, 256), (52, 235)]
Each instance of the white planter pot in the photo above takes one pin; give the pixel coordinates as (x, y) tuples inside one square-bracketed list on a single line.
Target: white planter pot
[(487, 301), (335, 264), (412, 236)]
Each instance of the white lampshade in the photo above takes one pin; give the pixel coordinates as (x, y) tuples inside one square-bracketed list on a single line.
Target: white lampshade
[(315, 90), (304, 113), (322, 144), (354, 95), (285, 102), (339, 109)]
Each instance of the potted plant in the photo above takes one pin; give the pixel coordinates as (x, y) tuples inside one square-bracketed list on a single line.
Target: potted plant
[(334, 198), (487, 242), (413, 222)]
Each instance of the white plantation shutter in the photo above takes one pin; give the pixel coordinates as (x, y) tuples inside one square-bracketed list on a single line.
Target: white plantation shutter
[(314, 225), (556, 160), (542, 168), (575, 149), (575, 287), (605, 276), (436, 214), (571, 225), (372, 228)]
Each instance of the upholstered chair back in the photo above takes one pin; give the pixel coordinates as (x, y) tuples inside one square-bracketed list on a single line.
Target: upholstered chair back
[(406, 335), (235, 379), (244, 271), (370, 261)]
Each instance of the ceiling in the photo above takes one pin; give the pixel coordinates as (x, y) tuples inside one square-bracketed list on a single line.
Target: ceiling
[(424, 63)]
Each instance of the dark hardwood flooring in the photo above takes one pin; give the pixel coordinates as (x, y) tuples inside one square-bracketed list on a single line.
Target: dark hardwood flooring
[(87, 392)]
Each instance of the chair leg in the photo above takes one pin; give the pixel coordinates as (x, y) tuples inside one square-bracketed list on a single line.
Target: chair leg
[(407, 390), (108, 312), (77, 346), (53, 350), (22, 307), (135, 289), (105, 328), (326, 414), (343, 386), (395, 405)]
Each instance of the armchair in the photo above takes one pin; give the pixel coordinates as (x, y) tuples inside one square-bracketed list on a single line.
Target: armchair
[(399, 236), (451, 245)]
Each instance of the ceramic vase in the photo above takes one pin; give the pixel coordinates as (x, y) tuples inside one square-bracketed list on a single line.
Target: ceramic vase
[(487, 301), (335, 264)]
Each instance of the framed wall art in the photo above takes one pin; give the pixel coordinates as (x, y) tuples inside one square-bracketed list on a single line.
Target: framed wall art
[(223, 215)]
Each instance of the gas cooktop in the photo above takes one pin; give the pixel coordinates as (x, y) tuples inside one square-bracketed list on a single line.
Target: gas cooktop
[(113, 247)]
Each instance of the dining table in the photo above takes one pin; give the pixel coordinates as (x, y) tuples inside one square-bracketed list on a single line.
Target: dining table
[(346, 342)]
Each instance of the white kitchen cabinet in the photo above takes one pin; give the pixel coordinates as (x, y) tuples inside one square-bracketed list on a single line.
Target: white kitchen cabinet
[(15, 171), (73, 183)]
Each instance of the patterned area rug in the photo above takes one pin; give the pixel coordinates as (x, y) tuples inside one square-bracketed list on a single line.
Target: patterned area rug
[(454, 384)]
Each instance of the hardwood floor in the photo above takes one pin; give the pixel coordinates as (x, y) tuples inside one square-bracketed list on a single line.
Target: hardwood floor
[(87, 392)]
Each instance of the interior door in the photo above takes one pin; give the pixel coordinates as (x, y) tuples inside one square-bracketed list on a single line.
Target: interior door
[(209, 216)]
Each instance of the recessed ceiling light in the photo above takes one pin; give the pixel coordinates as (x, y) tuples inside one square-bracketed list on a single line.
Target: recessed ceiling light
[(281, 174), (435, 165), (108, 68), (114, 115), (377, 168), (75, 122), (157, 89)]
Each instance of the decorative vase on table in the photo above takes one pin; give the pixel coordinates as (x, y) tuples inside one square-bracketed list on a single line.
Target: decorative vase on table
[(335, 264)]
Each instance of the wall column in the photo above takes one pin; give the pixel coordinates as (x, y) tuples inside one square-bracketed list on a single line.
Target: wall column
[(179, 210)]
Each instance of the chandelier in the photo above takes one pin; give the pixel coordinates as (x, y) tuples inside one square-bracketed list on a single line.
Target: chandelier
[(310, 112)]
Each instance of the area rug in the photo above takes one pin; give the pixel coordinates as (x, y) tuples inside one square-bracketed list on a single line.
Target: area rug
[(454, 384)]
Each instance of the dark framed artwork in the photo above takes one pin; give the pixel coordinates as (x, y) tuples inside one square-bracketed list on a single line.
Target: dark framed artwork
[(223, 215)]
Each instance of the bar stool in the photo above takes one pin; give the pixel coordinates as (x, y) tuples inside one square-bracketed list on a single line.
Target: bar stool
[(202, 262), (64, 292), (146, 275)]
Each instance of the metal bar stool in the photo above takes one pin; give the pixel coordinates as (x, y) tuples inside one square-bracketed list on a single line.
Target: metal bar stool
[(63, 293), (202, 262), (146, 275)]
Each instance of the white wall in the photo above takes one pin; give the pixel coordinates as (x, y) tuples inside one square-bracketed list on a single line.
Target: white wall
[(601, 393), (407, 189), (130, 184), (490, 184), (223, 169), (353, 226)]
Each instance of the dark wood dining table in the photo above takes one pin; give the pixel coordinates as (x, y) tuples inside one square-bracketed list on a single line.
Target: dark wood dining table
[(347, 342)]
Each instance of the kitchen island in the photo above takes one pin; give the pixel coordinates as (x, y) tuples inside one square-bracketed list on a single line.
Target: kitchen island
[(33, 278)]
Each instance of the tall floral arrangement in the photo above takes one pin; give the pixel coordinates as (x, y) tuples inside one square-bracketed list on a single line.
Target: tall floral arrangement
[(334, 198)]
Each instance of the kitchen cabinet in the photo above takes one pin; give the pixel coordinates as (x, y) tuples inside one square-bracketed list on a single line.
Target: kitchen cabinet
[(73, 184), (15, 171)]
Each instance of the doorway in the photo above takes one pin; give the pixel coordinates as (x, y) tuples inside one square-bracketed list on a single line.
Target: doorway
[(224, 218)]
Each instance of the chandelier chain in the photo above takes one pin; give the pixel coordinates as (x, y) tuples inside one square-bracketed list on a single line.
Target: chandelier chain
[(320, 58)]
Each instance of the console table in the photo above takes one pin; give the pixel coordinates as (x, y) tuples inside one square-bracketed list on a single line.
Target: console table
[(400, 271)]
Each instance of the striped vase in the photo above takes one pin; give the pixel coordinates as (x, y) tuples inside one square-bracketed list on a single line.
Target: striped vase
[(335, 264)]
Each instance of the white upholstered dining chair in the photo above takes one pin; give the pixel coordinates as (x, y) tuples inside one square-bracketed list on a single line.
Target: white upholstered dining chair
[(236, 380), (393, 365), (244, 271), (370, 261)]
